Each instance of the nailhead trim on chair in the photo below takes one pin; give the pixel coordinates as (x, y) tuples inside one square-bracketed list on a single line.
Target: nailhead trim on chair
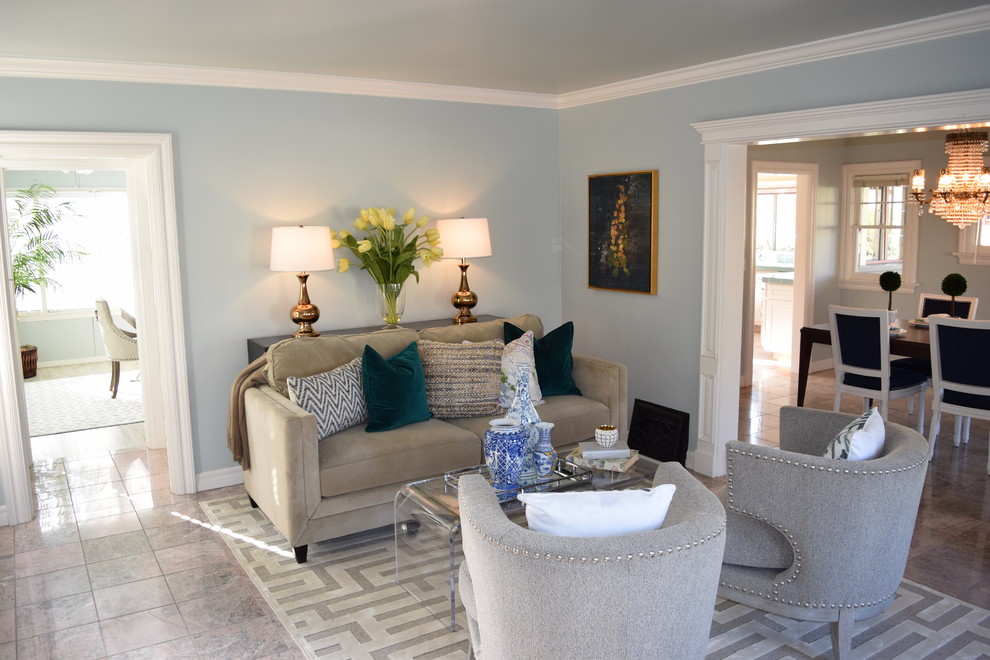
[(796, 566), (652, 554), (774, 597)]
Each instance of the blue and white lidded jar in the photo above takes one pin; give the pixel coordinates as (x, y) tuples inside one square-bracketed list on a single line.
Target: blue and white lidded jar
[(505, 448)]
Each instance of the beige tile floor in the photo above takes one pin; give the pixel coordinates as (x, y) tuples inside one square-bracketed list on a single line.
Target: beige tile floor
[(107, 569)]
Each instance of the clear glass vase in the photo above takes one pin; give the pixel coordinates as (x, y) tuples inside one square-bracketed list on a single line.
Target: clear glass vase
[(391, 303)]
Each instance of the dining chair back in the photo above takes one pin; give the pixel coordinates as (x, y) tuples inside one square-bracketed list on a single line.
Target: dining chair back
[(937, 303), (119, 344), (960, 375), (861, 358)]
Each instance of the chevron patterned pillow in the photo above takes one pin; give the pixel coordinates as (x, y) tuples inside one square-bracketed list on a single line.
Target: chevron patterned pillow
[(462, 379), (335, 397)]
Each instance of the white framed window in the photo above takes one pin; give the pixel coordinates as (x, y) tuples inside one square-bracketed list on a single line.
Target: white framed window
[(879, 226), (974, 244), (101, 230)]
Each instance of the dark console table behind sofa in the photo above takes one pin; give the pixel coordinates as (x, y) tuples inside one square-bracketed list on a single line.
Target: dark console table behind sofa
[(256, 347)]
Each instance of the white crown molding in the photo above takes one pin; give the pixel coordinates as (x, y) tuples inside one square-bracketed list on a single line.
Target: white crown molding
[(938, 27), (902, 34), (29, 67)]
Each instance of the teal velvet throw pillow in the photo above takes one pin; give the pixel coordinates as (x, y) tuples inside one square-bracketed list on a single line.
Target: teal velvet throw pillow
[(553, 358), (395, 389)]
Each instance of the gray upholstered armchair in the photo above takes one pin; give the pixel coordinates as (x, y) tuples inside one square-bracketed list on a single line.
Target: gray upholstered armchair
[(647, 595), (819, 539)]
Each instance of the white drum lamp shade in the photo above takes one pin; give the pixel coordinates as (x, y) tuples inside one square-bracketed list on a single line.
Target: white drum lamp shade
[(464, 238), (302, 250)]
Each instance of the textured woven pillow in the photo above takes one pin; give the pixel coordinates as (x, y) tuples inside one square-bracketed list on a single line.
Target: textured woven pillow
[(598, 513), (519, 351), (861, 440), (461, 379), (335, 397)]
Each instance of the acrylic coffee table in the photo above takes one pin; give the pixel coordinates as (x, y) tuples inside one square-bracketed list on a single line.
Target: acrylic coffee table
[(427, 524)]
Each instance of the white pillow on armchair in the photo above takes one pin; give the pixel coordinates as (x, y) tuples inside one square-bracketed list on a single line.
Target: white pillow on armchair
[(598, 513)]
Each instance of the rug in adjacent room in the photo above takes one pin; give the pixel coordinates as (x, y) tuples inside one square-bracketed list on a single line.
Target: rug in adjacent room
[(344, 603), (82, 402)]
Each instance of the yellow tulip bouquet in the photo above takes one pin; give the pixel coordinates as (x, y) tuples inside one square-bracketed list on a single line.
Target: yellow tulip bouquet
[(389, 252)]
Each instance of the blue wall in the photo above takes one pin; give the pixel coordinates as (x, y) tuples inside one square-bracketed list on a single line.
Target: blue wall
[(248, 160), (659, 336)]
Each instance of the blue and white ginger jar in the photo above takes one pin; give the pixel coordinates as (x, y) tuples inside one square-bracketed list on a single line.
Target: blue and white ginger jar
[(506, 448)]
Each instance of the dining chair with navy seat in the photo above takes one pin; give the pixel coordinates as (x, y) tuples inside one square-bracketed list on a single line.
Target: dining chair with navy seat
[(960, 375), (861, 358), (937, 303)]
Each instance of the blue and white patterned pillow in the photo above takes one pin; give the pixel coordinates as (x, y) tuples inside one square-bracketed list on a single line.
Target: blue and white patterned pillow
[(860, 440), (519, 351), (335, 398)]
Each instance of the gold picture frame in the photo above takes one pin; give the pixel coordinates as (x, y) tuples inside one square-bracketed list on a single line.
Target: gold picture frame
[(623, 231)]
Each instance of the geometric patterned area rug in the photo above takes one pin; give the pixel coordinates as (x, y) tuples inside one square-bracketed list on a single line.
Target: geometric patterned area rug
[(61, 405), (344, 603)]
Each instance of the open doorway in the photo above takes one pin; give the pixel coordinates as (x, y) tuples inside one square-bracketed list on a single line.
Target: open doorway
[(147, 161), (70, 243), (778, 293)]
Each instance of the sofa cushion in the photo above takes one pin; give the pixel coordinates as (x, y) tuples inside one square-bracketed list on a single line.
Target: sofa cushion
[(306, 356), (574, 419), (335, 398), (462, 380), (482, 330), (394, 389), (353, 461), (518, 352), (553, 358)]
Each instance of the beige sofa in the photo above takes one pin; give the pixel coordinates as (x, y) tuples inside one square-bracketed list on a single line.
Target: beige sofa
[(315, 489)]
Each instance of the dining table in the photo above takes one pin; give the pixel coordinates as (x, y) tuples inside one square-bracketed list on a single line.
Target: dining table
[(913, 342)]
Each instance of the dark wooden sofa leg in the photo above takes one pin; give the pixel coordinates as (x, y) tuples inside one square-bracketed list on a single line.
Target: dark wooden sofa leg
[(300, 551), (254, 505)]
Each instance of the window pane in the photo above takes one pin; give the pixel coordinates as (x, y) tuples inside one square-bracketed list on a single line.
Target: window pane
[(867, 248), (101, 230)]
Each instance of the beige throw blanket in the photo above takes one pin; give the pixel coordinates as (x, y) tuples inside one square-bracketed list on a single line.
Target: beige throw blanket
[(252, 376)]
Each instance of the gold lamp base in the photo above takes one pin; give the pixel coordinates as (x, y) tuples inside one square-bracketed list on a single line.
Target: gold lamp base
[(464, 299), (304, 314)]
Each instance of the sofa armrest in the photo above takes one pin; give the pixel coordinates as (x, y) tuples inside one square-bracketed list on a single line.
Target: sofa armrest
[(608, 383), (284, 479)]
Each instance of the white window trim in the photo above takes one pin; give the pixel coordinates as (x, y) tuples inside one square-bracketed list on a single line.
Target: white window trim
[(848, 278), (969, 253)]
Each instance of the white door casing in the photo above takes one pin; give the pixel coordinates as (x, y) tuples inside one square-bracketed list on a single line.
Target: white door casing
[(147, 161)]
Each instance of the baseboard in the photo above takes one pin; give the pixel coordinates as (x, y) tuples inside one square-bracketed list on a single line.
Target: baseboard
[(66, 363), (820, 365), (231, 476), (3, 515)]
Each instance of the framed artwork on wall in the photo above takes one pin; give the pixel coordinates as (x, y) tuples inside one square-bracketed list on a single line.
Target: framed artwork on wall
[(622, 231)]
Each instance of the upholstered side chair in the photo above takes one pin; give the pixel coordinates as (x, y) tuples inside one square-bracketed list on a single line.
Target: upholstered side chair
[(120, 344), (820, 539), (646, 595)]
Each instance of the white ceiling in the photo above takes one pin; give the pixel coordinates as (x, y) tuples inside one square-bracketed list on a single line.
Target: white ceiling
[(534, 46)]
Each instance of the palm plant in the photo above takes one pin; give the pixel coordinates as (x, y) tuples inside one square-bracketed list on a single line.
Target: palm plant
[(35, 246)]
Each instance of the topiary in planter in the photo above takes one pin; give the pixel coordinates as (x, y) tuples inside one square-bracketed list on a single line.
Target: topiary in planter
[(890, 281), (953, 285)]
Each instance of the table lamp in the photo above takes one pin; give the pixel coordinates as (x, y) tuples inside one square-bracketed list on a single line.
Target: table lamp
[(464, 238), (302, 250)]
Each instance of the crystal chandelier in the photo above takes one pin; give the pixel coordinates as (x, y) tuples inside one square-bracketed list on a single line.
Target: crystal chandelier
[(963, 186)]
